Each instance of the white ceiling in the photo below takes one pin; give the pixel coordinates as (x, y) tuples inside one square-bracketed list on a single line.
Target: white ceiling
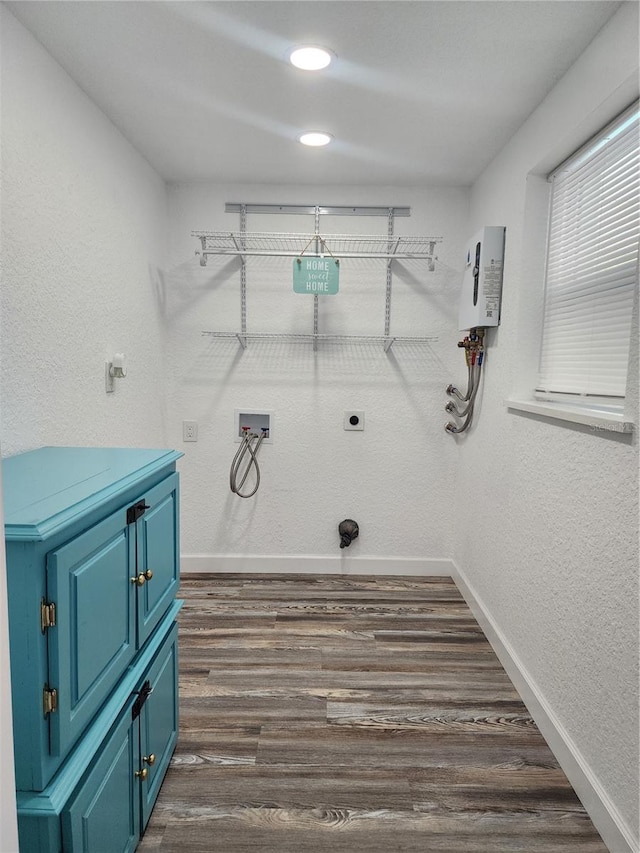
[(421, 93)]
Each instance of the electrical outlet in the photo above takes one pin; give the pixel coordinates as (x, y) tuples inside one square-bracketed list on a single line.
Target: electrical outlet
[(189, 430), (354, 420)]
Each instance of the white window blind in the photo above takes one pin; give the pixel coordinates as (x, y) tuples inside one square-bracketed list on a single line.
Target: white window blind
[(592, 265)]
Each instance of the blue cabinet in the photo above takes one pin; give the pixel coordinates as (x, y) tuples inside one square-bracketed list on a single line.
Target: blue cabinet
[(156, 536), (158, 723), (110, 806), (93, 635), (92, 539), (102, 816)]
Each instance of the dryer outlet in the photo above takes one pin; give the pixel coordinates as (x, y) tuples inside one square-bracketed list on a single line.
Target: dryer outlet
[(354, 420)]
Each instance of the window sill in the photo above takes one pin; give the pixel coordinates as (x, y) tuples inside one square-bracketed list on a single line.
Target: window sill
[(598, 419)]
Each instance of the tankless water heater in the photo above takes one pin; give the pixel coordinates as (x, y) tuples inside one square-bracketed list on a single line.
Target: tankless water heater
[(481, 292)]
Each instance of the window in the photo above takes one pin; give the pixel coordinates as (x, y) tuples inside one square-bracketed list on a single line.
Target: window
[(592, 270)]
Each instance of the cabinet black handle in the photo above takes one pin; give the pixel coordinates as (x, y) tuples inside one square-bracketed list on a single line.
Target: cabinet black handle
[(136, 511)]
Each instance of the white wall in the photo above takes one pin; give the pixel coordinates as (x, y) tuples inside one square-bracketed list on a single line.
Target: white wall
[(551, 549), (395, 478), (83, 238), (8, 821), (83, 234)]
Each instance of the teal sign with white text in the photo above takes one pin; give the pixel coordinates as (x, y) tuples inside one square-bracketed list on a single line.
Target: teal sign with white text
[(318, 276)]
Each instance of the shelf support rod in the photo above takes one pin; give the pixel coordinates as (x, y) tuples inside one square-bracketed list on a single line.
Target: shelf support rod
[(387, 304), (243, 275), (306, 209), (316, 231)]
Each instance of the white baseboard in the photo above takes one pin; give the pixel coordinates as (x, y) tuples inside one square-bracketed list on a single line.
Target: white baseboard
[(615, 833), (339, 565)]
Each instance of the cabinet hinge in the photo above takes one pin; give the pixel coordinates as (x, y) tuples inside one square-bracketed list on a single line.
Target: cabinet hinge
[(47, 615), (49, 700), (142, 697), (134, 512)]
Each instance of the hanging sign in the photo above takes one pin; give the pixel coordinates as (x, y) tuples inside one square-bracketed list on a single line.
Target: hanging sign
[(315, 275)]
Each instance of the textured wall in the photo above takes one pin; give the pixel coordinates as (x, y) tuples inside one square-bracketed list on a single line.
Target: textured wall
[(83, 233), (547, 534), (395, 478), (8, 822), (551, 545)]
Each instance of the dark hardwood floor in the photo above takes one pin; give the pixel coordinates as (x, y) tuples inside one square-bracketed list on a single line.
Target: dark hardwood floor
[(353, 715)]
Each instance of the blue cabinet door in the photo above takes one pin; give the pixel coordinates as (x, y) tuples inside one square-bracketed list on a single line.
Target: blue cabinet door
[(158, 553), (94, 639), (159, 722), (104, 815)]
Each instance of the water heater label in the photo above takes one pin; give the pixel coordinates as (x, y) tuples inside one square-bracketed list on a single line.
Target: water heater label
[(492, 288)]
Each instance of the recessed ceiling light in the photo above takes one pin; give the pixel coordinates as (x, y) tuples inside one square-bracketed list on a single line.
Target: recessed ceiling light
[(310, 57), (315, 138)]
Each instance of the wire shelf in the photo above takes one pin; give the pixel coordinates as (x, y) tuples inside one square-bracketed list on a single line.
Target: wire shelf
[(387, 340), (388, 247), (291, 245)]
